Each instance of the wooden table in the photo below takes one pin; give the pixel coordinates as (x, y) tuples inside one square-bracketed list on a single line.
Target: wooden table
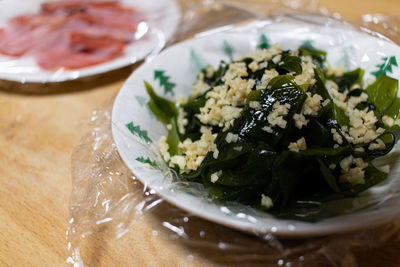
[(37, 136)]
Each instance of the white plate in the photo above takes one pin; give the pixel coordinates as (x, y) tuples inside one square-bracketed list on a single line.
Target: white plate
[(163, 19), (181, 63)]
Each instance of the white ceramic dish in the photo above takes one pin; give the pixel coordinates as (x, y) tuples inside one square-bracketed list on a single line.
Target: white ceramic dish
[(181, 63), (163, 18)]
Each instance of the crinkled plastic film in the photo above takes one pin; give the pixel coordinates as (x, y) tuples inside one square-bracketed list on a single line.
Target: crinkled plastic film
[(106, 193)]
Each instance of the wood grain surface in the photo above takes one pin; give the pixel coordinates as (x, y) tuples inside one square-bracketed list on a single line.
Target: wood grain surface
[(38, 133)]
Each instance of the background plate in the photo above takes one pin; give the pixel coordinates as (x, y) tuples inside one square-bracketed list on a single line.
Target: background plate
[(163, 18)]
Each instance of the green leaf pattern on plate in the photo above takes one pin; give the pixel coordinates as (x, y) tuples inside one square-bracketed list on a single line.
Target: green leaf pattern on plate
[(135, 130), (344, 61), (228, 49), (143, 103), (197, 63), (164, 81), (263, 42), (147, 160), (308, 44), (386, 66), (141, 100)]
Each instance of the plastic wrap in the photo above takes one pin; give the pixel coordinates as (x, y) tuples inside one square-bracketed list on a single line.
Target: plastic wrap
[(106, 192)]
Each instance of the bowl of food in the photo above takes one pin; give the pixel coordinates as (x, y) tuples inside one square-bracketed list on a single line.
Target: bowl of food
[(277, 126)]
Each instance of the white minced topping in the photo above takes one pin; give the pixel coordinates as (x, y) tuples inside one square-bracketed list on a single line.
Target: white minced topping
[(238, 148), (385, 168), (300, 120), (253, 66), (231, 137), (362, 128), (238, 90), (263, 65), (182, 121), (298, 145), (276, 59), (346, 162), (388, 121), (215, 176), (236, 69), (179, 161), (265, 54), (266, 201), (215, 153), (336, 136), (194, 152), (266, 78), (267, 129), (307, 75), (218, 109), (276, 116), (209, 71), (338, 97), (359, 149), (182, 100), (378, 144), (335, 71), (199, 87), (354, 175), (312, 104), (255, 105), (355, 100), (326, 102), (355, 86), (164, 147), (224, 103), (332, 166)]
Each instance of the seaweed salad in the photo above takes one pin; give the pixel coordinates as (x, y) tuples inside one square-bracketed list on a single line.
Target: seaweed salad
[(280, 130)]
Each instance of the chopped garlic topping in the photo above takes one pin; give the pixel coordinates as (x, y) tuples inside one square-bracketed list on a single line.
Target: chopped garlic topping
[(199, 87), (266, 201), (312, 105), (275, 118), (354, 175), (255, 105), (300, 120), (388, 121), (298, 145), (231, 138), (236, 69), (215, 176)]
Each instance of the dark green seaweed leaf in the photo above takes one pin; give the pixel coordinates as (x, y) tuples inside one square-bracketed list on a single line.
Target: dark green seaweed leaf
[(318, 56), (173, 139), (383, 92), (259, 162), (349, 79), (291, 64), (162, 108)]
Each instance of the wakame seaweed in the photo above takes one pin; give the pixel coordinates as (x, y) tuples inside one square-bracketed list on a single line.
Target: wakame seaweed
[(294, 140)]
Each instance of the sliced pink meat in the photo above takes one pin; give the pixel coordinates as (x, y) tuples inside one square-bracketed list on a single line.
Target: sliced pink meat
[(71, 33), (78, 51)]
